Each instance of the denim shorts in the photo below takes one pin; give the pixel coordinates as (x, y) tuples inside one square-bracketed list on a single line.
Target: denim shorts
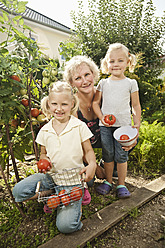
[(68, 218), (111, 149)]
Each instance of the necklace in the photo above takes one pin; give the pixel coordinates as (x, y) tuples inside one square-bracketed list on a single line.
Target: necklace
[(89, 109)]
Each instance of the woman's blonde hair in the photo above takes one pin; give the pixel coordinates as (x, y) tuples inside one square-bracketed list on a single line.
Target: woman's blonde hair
[(59, 87), (72, 65), (116, 46)]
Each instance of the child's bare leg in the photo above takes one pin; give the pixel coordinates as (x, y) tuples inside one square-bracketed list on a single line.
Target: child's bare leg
[(122, 173), (100, 172), (109, 171)]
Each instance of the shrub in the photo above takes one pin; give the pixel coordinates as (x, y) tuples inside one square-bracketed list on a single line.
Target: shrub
[(149, 156)]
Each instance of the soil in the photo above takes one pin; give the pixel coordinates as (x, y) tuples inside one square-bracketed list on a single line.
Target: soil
[(144, 228)]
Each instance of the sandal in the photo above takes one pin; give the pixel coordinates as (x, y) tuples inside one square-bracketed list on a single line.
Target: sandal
[(86, 198), (104, 189), (123, 193), (47, 209)]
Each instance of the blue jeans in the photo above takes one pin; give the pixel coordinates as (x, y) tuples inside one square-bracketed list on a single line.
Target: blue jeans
[(68, 218), (111, 149)]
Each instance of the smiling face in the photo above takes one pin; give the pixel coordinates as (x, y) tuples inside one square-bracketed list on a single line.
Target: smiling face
[(60, 105), (117, 64), (83, 79)]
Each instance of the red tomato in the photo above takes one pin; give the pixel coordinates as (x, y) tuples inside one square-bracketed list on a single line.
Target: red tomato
[(65, 199), (14, 123), (25, 102), (53, 201), (43, 164), (34, 112), (62, 192), (15, 77), (124, 137), (110, 119), (76, 193)]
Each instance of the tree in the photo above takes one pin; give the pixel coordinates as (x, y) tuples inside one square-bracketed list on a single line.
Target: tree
[(130, 22)]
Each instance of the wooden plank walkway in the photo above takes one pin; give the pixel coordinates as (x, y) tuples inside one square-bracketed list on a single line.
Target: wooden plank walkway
[(106, 218)]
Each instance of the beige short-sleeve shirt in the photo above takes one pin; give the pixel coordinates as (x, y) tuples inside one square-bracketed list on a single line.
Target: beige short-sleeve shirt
[(64, 150)]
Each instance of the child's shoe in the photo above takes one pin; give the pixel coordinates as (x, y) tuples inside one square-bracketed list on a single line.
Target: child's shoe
[(47, 209), (86, 198)]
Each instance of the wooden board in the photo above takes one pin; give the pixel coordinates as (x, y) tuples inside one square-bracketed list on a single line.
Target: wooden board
[(104, 219)]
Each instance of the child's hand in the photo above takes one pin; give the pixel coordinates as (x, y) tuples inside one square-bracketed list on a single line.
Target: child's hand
[(108, 120), (89, 171), (104, 123), (127, 148)]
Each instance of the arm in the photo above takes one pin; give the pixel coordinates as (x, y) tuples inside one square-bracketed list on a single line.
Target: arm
[(91, 160), (96, 107), (136, 109)]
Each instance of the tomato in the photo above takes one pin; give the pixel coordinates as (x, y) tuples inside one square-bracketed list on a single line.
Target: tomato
[(41, 118), (23, 92), (53, 201), (54, 72), (62, 192), (34, 112), (65, 199), (22, 125), (45, 80), (124, 137), (25, 102), (45, 73), (43, 164), (76, 193), (34, 121), (110, 119), (14, 123), (16, 78)]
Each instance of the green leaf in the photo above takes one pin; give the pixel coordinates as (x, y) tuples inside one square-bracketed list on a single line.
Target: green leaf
[(5, 17), (21, 21), (2, 19), (19, 33)]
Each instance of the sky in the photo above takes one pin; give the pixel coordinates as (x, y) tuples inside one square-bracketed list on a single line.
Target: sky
[(59, 10)]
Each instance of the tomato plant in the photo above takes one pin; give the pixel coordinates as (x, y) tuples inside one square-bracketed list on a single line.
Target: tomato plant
[(124, 137), (53, 201), (76, 193), (110, 119), (43, 164)]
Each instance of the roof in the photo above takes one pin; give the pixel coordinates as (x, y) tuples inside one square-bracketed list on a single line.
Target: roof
[(37, 17)]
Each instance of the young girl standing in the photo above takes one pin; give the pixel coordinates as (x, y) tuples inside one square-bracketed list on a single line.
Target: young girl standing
[(64, 140), (113, 96)]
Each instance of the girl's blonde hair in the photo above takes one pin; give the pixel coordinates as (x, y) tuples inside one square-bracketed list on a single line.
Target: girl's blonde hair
[(115, 46), (72, 65), (59, 87)]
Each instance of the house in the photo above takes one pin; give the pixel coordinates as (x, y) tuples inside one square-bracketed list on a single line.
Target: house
[(47, 32)]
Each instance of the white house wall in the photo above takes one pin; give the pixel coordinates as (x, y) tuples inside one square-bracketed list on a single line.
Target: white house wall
[(47, 38)]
